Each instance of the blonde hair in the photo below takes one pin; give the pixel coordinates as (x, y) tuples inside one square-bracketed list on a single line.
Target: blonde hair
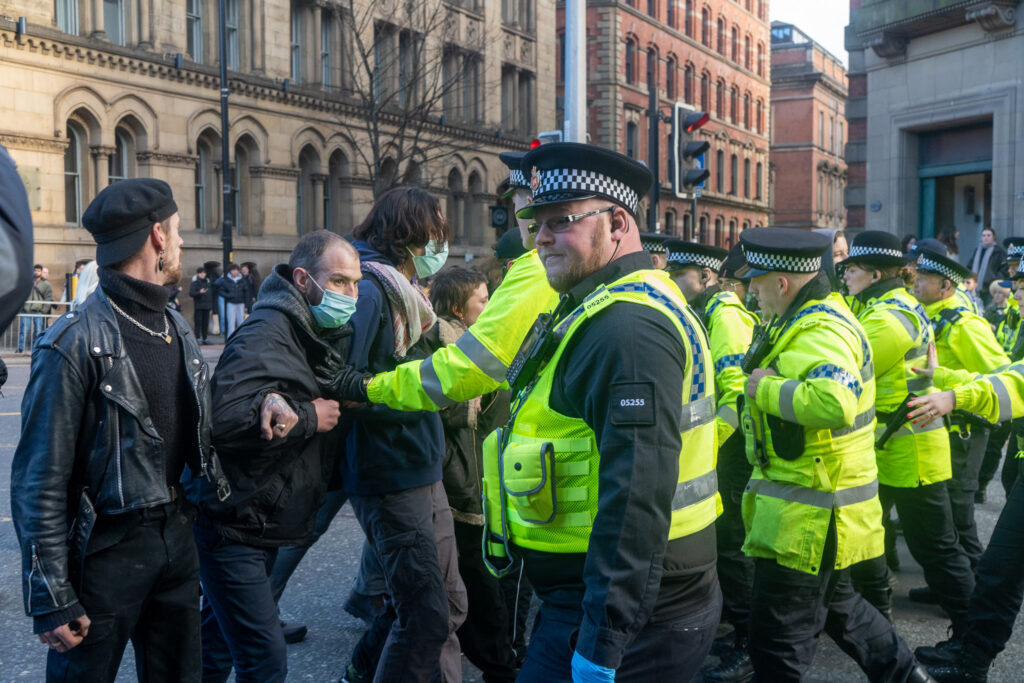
[(996, 287)]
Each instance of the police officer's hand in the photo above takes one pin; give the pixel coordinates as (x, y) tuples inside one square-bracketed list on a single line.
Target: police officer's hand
[(327, 414), (66, 636), (276, 417), (931, 407), (755, 378), (933, 362)]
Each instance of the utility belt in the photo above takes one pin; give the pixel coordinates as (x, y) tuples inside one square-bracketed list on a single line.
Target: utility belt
[(968, 425)]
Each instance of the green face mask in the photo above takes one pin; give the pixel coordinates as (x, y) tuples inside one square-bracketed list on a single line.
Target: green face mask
[(432, 260), (334, 309)]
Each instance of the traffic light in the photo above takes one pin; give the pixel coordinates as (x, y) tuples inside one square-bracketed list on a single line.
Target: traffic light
[(687, 164), (545, 137)]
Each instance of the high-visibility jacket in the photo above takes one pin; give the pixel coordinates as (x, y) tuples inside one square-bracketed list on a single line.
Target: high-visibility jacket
[(899, 332), (997, 397), (964, 340), (1009, 331), (478, 361), (818, 411), (541, 487), (730, 328), (965, 300)]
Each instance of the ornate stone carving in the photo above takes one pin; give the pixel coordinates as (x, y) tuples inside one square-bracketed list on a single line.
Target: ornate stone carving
[(993, 15), (510, 46), (273, 172), (29, 142), (886, 44), (452, 26), (182, 160), (526, 52)]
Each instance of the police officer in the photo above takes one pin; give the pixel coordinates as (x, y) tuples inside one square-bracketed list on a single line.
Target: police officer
[(603, 481), (963, 341), (694, 268), (998, 593), (913, 462), (811, 508), (655, 244)]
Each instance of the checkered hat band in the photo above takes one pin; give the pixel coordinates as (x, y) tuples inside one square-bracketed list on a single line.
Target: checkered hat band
[(517, 179), (560, 180), (783, 263), (927, 265), (1014, 252), (656, 247), (685, 258), (872, 251)]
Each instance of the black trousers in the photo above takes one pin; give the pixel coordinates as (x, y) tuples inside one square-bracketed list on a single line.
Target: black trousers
[(997, 438), (735, 569), (966, 456), (202, 320), (790, 609), (140, 583), (484, 635), (997, 597)]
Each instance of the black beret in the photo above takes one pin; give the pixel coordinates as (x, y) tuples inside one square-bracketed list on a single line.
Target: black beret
[(876, 248), (569, 171), (509, 246), (782, 250), (516, 179), (120, 217), (682, 254)]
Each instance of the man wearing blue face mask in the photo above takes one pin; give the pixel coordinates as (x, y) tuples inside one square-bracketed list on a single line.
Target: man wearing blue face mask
[(274, 431)]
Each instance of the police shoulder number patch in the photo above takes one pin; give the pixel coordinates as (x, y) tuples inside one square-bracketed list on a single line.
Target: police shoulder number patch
[(632, 404)]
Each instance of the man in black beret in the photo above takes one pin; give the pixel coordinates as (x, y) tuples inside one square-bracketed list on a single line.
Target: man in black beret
[(116, 406), (626, 579)]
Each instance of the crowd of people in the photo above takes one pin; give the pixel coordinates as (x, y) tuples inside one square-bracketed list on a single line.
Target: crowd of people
[(649, 436)]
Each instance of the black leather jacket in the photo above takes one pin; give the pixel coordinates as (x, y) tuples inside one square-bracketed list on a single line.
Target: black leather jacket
[(86, 424)]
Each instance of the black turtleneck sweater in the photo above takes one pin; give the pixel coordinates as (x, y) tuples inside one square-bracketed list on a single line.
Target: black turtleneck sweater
[(159, 366)]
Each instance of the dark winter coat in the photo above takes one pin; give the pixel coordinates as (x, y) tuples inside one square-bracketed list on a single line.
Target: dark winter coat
[(232, 291), (203, 300)]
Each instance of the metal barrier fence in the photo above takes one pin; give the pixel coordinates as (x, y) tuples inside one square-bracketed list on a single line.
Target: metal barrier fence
[(30, 324)]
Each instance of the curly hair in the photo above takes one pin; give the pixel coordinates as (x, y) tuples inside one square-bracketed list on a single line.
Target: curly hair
[(403, 217)]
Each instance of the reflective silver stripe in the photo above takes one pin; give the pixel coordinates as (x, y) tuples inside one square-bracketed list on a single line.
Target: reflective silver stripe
[(916, 352), (904, 318), (859, 422), (695, 490), (919, 384), (697, 413), (481, 357), (814, 497), (1001, 368), (431, 383), (728, 415), (1018, 368), (1005, 406), (786, 399), (867, 372)]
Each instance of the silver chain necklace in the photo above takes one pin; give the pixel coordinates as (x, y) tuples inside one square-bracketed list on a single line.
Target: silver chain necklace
[(167, 324)]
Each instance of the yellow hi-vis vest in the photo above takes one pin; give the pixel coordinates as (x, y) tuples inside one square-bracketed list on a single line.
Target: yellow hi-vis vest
[(824, 370), (540, 491), (913, 456)]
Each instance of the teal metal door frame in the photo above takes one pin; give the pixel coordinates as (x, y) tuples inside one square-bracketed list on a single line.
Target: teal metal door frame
[(926, 196)]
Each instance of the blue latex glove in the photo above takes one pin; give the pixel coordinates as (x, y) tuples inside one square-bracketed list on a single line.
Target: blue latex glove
[(585, 671)]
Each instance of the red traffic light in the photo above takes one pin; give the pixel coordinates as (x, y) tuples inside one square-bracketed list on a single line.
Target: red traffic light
[(535, 143), (695, 120)]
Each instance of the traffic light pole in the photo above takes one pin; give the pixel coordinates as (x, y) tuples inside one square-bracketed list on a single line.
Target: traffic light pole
[(693, 215), (225, 146), (653, 148)]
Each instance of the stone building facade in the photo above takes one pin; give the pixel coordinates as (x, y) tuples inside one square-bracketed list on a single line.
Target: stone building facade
[(712, 56), (808, 104), (97, 90), (935, 113)]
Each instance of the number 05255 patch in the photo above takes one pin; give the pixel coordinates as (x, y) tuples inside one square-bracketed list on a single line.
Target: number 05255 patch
[(632, 404)]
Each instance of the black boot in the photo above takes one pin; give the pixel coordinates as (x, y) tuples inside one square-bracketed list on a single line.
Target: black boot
[(919, 675), (734, 666), (944, 653), (971, 667), (293, 632)]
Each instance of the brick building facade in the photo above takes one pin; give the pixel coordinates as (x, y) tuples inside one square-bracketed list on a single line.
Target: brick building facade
[(710, 55), (808, 105)]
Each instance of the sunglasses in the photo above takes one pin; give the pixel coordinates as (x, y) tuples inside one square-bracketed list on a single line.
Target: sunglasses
[(557, 225)]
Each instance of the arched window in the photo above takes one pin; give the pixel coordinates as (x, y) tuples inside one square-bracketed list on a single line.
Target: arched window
[(746, 52), (652, 7), (194, 30), (720, 171), (455, 205), (719, 232), (632, 140), (121, 164), (734, 104), (735, 44), (687, 226), (243, 185), (746, 110), (207, 181), (746, 178), (308, 210), (721, 36), (703, 230), (759, 181), (670, 14), (671, 67), (474, 207), (760, 117), (670, 215), (705, 91), (688, 19), (114, 21), (688, 84), (652, 68), (630, 61), (760, 59), (720, 99), (734, 234), (73, 156), (338, 194), (705, 27), (734, 162)]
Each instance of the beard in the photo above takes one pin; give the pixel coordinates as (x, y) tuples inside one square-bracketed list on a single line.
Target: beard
[(576, 267)]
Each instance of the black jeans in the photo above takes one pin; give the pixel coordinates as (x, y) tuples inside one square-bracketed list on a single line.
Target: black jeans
[(735, 569), (141, 583), (790, 609), (662, 651), (993, 454), (999, 591), (965, 458), (484, 635), (240, 624), (411, 532), (202, 320)]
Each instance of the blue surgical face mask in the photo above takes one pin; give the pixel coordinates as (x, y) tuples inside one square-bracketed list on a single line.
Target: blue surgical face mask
[(334, 309), (432, 260)]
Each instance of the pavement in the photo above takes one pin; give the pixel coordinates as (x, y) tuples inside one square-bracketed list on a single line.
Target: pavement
[(321, 584)]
